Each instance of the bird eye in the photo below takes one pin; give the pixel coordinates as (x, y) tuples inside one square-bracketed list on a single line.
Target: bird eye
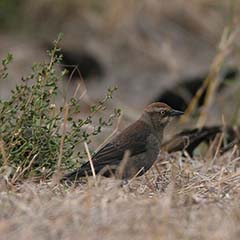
[(162, 112)]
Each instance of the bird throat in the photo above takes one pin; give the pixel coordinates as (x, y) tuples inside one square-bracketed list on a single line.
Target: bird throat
[(158, 130), (156, 125)]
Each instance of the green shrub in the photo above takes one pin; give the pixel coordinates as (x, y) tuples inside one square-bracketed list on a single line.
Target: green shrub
[(36, 136)]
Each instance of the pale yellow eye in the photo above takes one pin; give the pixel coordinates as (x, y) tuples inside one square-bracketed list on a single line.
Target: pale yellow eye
[(162, 112)]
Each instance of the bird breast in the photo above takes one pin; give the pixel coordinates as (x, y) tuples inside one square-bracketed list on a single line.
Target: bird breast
[(153, 146)]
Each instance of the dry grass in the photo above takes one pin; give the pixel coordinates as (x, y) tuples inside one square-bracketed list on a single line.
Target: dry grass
[(179, 198)]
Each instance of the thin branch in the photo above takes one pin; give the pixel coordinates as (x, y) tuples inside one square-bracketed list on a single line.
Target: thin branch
[(4, 155), (90, 160)]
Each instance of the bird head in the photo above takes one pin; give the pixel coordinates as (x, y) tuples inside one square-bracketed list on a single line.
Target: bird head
[(159, 114)]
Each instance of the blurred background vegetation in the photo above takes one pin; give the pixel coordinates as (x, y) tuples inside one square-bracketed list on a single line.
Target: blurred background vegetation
[(151, 49)]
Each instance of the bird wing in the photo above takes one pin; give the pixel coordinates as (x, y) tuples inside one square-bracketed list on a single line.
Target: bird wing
[(133, 138)]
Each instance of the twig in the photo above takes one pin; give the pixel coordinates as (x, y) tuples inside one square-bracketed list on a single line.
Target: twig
[(63, 137), (112, 134), (210, 84), (135, 176), (217, 150), (4, 155), (90, 161), (123, 163), (25, 169)]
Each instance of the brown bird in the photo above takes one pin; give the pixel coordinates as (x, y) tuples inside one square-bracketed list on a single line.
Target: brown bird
[(141, 140)]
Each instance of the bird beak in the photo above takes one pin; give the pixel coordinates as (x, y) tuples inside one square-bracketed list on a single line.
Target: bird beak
[(174, 113)]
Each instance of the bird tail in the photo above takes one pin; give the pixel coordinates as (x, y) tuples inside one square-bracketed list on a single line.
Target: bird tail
[(73, 176), (83, 171)]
